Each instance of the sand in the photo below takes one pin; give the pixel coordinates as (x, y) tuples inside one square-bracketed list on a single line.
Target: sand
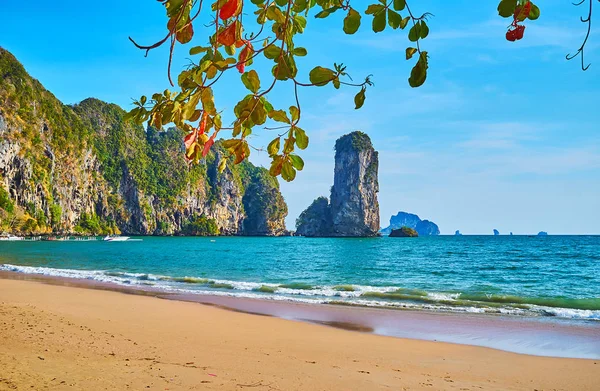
[(71, 338)]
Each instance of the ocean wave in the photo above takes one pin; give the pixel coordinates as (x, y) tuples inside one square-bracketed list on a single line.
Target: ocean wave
[(352, 295)]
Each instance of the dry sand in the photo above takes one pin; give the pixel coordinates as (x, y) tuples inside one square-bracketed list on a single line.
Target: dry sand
[(69, 338)]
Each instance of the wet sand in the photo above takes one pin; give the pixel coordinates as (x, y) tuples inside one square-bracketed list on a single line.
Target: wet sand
[(542, 336), (65, 337)]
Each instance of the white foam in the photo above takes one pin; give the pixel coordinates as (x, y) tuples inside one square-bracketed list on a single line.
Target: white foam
[(317, 295)]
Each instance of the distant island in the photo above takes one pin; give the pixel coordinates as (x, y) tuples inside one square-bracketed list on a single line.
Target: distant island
[(496, 232), (542, 233), (404, 219), (404, 232), (457, 233)]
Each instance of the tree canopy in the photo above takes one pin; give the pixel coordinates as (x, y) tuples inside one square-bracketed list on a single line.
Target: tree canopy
[(243, 32)]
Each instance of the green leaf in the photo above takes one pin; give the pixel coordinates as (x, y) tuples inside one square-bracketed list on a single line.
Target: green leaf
[(404, 22), (259, 115), (300, 52), (274, 13), (208, 101), (275, 166), (394, 19), (534, 13), (268, 105), (301, 138), (273, 147), (251, 81), (272, 52), (410, 52), (222, 165), (418, 75), (231, 143), (506, 8), (288, 173), (285, 68), (373, 9), (198, 50), (379, 22), (359, 99), (320, 76), (399, 5), (295, 113), (415, 33), (424, 30), (297, 162), (326, 12), (279, 116), (288, 146), (352, 21)]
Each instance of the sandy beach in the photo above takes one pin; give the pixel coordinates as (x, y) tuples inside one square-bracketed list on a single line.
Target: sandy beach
[(59, 337)]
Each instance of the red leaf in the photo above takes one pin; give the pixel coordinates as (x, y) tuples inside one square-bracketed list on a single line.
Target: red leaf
[(203, 122), (228, 9), (185, 34), (243, 57), (190, 139), (209, 143), (227, 36)]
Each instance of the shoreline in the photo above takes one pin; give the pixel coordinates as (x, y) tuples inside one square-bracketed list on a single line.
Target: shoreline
[(535, 336), (67, 337)]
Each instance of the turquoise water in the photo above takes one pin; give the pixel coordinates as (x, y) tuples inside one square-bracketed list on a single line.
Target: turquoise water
[(520, 275)]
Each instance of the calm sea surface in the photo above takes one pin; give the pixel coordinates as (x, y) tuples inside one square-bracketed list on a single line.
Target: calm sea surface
[(540, 276)]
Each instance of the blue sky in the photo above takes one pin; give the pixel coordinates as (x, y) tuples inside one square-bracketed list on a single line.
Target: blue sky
[(503, 135)]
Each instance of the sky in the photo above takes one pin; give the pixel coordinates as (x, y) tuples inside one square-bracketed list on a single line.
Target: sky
[(502, 135)]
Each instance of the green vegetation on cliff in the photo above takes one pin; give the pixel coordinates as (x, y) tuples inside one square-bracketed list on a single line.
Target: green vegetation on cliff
[(201, 226), (85, 169), (360, 141)]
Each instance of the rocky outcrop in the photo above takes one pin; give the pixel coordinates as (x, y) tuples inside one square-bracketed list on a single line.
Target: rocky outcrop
[(403, 219), (457, 233), (354, 208), (263, 203), (404, 232), (542, 233), (316, 220), (84, 169), (496, 232), (427, 228)]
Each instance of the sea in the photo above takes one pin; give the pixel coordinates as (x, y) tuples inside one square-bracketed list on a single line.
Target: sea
[(531, 276)]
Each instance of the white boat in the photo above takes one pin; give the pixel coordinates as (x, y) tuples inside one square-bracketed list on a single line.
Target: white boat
[(109, 238), (11, 238)]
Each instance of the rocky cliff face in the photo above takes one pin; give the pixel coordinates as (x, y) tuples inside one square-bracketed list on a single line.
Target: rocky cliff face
[(83, 169), (316, 220), (354, 208), (403, 219)]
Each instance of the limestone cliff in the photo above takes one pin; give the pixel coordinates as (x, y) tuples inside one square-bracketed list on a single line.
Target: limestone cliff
[(84, 169), (315, 220), (354, 208)]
